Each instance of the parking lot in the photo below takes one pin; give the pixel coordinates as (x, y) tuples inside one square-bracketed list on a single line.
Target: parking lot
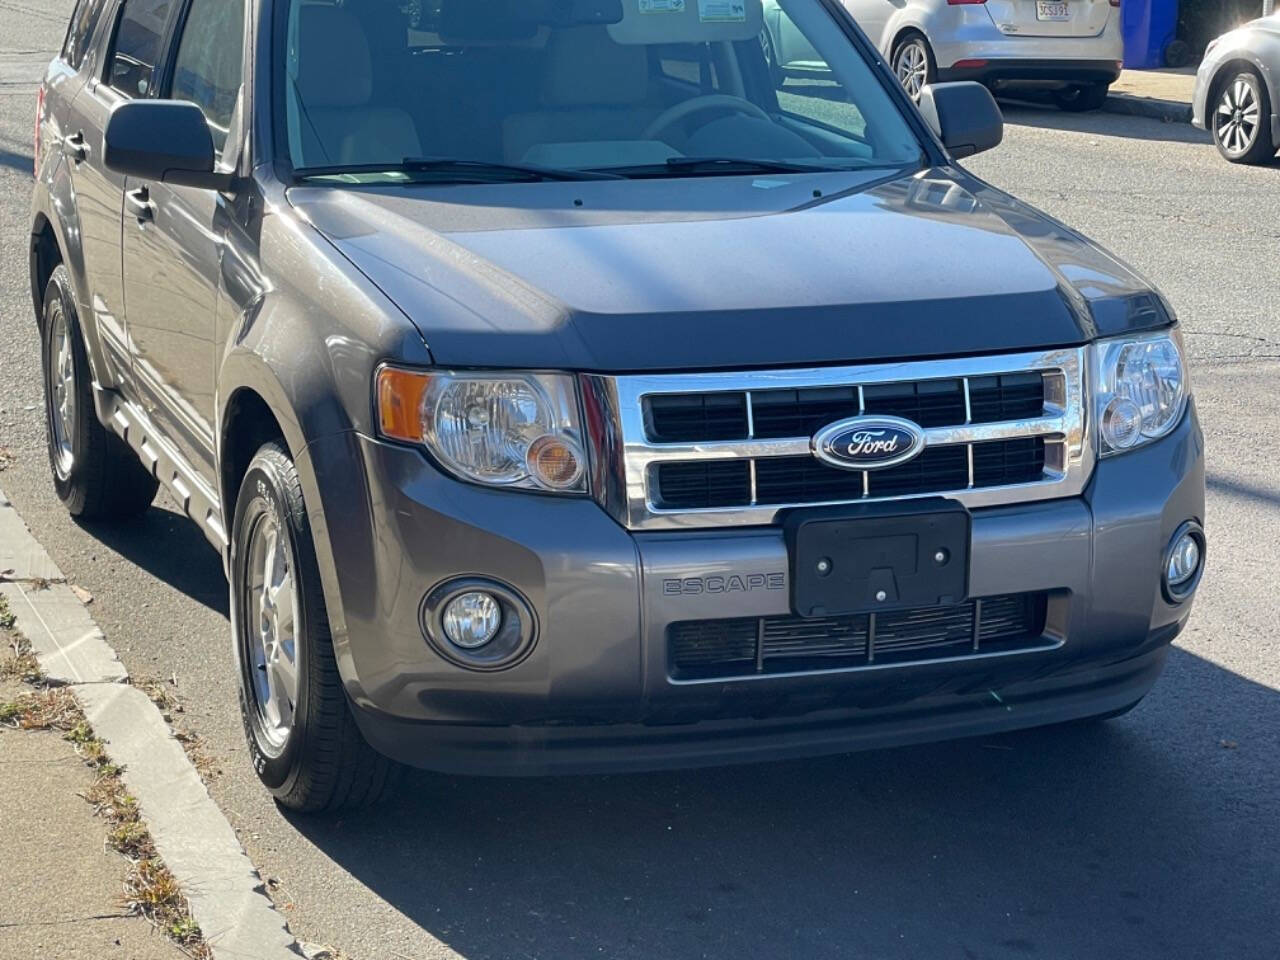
[(1156, 835)]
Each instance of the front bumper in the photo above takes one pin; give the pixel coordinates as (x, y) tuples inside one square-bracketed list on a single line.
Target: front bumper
[(595, 693)]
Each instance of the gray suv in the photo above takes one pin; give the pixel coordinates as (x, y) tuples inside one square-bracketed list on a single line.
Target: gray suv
[(563, 395)]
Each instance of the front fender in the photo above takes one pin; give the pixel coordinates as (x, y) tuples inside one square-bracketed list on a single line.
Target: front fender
[(303, 332), (1261, 50)]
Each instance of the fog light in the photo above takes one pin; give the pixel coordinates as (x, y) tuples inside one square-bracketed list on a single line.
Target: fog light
[(1184, 562), (472, 619)]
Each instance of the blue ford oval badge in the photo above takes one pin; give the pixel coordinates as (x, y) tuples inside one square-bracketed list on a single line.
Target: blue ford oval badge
[(868, 443)]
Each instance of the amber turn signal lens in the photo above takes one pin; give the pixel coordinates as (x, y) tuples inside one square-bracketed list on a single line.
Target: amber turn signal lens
[(400, 394), (554, 463)]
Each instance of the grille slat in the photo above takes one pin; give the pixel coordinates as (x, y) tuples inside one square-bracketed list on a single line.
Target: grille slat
[(715, 483), (779, 414), (799, 480), (679, 418), (702, 649)]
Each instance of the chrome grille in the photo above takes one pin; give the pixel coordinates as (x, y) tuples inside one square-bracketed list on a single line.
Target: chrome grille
[(727, 449)]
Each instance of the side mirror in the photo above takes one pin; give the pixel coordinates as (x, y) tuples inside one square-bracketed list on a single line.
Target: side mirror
[(162, 140), (964, 115)]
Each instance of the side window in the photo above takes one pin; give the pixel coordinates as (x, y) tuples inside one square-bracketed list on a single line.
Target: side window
[(80, 33), (137, 46), (209, 68)]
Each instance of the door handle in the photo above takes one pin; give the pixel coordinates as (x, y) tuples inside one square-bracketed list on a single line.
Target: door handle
[(138, 202), (74, 147)]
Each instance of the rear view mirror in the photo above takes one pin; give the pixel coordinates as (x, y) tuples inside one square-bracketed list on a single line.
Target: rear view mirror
[(162, 140), (964, 115)]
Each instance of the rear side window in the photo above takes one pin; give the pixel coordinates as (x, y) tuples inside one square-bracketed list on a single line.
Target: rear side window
[(80, 33), (138, 46), (209, 67)]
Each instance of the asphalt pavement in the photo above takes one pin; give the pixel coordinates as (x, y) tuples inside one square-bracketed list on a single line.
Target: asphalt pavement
[(1157, 835)]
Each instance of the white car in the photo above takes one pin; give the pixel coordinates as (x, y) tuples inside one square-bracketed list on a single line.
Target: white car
[(1237, 89), (1072, 47)]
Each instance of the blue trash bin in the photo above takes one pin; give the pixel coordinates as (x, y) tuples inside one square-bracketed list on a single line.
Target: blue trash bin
[(1148, 26)]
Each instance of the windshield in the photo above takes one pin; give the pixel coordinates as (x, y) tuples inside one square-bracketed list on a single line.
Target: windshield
[(480, 90)]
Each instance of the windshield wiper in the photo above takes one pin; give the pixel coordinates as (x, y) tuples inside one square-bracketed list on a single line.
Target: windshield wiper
[(734, 165), (718, 166), (467, 171), (711, 166)]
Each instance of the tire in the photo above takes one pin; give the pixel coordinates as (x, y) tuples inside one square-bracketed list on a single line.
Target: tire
[(303, 741), (776, 76), (95, 474), (1082, 97), (1239, 138), (913, 64)]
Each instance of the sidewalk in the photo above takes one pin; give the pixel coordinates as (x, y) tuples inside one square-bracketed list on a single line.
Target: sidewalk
[(62, 886), (1159, 94)]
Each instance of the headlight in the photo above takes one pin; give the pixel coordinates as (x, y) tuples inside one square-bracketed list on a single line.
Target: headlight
[(1140, 389), (502, 429)]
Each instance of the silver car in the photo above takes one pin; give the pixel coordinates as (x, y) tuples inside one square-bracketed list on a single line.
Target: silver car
[(1074, 49), (1237, 89)]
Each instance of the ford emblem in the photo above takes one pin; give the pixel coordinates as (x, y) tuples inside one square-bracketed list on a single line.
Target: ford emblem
[(868, 443)]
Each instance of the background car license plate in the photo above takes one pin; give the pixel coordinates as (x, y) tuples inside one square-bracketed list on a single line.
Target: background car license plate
[(1052, 10)]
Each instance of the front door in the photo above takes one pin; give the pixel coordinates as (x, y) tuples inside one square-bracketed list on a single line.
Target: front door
[(173, 242), (99, 192)]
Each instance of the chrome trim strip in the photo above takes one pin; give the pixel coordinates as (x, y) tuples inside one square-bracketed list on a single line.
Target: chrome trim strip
[(1064, 427), (803, 446), (1048, 643)]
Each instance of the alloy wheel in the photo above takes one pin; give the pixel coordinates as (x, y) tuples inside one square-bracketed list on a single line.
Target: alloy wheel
[(912, 68), (62, 395), (270, 604), (1237, 118)]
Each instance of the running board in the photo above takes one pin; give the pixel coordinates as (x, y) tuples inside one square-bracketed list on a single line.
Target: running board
[(198, 500)]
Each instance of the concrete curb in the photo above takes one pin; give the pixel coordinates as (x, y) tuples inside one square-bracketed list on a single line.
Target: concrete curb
[(1170, 111), (227, 897)]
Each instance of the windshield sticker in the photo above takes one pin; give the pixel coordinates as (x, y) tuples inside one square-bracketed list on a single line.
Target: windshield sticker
[(722, 11), (662, 6)]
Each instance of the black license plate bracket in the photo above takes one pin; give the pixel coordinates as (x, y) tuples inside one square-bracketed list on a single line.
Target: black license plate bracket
[(876, 557)]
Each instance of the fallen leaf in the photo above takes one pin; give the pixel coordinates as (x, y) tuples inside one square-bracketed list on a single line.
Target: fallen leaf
[(83, 595), (1228, 744)]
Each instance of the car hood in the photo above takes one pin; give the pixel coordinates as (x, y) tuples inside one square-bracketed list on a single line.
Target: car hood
[(626, 275)]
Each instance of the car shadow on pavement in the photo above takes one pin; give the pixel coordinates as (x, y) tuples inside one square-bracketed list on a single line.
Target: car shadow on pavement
[(1148, 836), (1026, 113), (171, 548)]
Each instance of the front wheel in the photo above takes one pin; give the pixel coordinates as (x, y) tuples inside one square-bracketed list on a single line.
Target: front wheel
[(1241, 120), (1082, 97), (303, 740), (913, 64)]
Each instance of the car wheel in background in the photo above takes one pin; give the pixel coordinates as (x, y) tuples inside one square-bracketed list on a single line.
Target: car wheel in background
[(913, 64), (1241, 117), (771, 58), (303, 740), (1082, 97), (95, 474)]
